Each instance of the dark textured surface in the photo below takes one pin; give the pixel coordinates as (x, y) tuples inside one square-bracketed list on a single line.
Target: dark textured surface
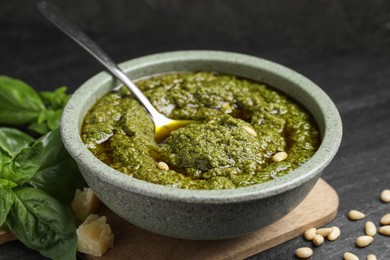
[(343, 46)]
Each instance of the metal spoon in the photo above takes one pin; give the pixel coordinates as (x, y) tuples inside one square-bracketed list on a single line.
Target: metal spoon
[(163, 124)]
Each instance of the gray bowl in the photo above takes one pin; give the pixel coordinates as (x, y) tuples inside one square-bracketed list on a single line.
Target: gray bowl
[(203, 214)]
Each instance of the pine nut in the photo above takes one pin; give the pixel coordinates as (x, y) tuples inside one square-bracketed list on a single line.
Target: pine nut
[(371, 257), (364, 241), (324, 231), (304, 252), (385, 230), (334, 234), (318, 240), (385, 196), (310, 233), (163, 166), (370, 228), (385, 220), (250, 130), (356, 215), (280, 156), (350, 256)]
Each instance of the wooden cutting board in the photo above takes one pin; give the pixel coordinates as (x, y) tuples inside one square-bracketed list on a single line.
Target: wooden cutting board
[(131, 242)]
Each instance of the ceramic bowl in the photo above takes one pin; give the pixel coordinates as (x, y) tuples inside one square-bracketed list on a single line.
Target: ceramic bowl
[(203, 214)]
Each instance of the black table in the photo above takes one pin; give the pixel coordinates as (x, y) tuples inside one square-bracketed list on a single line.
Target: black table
[(342, 45)]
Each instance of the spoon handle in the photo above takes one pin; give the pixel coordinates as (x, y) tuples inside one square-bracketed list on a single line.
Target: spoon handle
[(55, 16)]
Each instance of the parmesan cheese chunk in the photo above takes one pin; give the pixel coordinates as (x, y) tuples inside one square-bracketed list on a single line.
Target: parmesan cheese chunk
[(84, 203), (94, 236)]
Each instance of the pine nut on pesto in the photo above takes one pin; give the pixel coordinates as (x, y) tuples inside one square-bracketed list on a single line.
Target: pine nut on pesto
[(240, 125)]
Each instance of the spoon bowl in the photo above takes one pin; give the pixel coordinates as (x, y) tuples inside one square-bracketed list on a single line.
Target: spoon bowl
[(166, 126)]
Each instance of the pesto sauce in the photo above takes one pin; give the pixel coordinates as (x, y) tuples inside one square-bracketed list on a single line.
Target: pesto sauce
[(240, 125)]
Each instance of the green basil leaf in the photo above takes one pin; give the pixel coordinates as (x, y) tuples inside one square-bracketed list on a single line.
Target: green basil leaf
[(6, 198), (42, 223), (5, 157), (51, 118), (55, 99), (19, 103), (7, 184), (24, 165), (40, 128), (12, 140), (54, 118), (58, 174), (48, 119)]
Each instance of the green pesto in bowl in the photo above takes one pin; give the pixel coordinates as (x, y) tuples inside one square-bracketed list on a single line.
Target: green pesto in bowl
[(244, 133)]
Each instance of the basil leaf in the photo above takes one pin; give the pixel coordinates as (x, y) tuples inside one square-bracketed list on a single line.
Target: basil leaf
[(58, 174), (51, 118), (13, 140), (40, 128), (4, 158), (19, 103), (48, 119), (42, 223), (7, 184), (54, 118), (55, 99), (24, 165), (6, 198)]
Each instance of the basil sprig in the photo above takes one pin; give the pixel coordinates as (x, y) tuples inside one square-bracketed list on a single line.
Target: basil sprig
[(42, 223), (38, 178), (20, 104)]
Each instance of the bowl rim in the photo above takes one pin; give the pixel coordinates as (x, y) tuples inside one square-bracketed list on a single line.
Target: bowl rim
[(330, 143)]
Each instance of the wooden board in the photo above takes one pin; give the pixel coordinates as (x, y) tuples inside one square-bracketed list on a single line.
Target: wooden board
[(131, 242), (6, 237)]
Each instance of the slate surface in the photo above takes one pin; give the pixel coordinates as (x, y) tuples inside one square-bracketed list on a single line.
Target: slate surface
[(343, 46)]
